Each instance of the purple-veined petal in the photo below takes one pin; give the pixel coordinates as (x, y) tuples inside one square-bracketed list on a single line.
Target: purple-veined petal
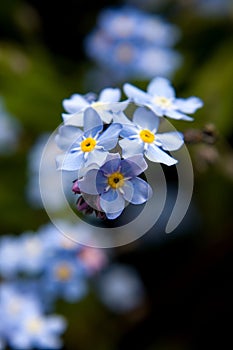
[(111, 166), (161, 87), (170, 141), (146, 119), (92, 120), (110, 196), (155, 154), (131, 147), (135, 94), (110, 95), (75, 103), (171, 113), (188, 105), (109, 138), (67, 135), (88, 184), (133, 166), (141, 191), (112, 206), (71, 161)]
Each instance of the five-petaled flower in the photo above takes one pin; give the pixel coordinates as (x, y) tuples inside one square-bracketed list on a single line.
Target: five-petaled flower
[(88, 146), (141, 137), (107, 104), (117, 182), (160, 98)]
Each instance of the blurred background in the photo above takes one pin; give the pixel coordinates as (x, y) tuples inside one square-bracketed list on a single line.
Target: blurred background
[(163, 291)]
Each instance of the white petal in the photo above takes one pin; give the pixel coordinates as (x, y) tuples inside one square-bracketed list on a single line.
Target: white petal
[(110, 95), (155, 154), (161, 87), (75, 103), (170, 141), (135, 94)]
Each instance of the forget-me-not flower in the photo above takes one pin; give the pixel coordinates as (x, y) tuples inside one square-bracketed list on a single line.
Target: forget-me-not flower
[(160, 98), (116, 182), (89, 146), (141, 137), (105, 105)]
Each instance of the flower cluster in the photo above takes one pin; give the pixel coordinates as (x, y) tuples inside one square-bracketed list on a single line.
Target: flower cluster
[(108, 149), (133, 43), (37, 269)]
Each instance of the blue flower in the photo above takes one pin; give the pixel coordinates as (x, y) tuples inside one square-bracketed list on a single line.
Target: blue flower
[(141, 137), (116, 182), (107, 104), (160, 98), (64, 277), (88, 146)]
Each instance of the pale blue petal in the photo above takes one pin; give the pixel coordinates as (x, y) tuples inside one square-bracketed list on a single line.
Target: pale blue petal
[(170, 141), (75, 103), (188, 105), (133, 166), (110, 95), (109, 138), (117, 107), (114, 215), (161, 87), (96, 156), (67, 136), (139, 96), (75, 119), (113, 206), (141, 191), (155, 154), (129, 130), (105, 115), (156, 109), (121, 118), (88, 184), (92, 120), (171, 113), (72, 161), (146, 119), (111, 166), (110, 196), (131, 147)]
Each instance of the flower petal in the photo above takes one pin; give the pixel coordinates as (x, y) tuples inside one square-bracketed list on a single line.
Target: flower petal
[(75, 103), (88, 184), (129, 130), (109, 138), (110, 95), (171, 113), (67, 135), (111, 166), (133, 166), (141, 191), (96, 156), (146, 119), (71, 161), (75, 119), (170, 141), (131, 147), (188, 105), (161, 87), (155, 154), (92, 120), (112, 206), (139, 96)]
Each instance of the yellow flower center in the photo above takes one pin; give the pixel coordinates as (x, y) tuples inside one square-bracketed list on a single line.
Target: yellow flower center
[(116, 180), (63, 272), (97, 104), (147, 136), (163, 101), (88, 144)]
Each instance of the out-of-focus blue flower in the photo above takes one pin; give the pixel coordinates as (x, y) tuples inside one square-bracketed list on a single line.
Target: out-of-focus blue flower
[(120, 288), (9, 131), (25, 326), (105, 105), (141, 137), (117, 181), (130, 43), (10, 256), (64, 277), (89, 146), (160, 98)]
